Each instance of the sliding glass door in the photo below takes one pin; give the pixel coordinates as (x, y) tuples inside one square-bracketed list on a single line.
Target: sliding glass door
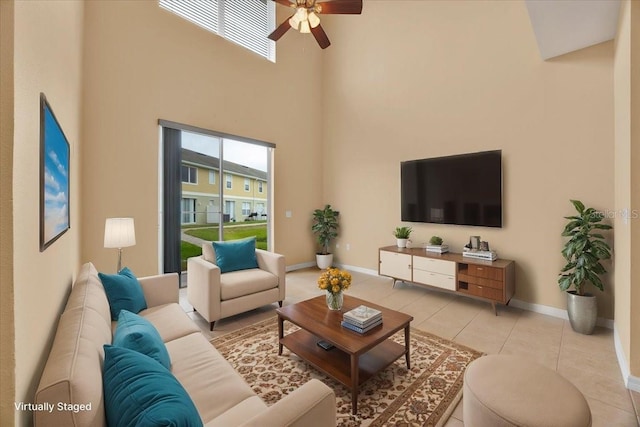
[(223, 191)]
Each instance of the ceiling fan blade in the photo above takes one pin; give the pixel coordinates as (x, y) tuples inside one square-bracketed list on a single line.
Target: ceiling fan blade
[(279, 32), (340, 7), (284, 2), (321, 36)]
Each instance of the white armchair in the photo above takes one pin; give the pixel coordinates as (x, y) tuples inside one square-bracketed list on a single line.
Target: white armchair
[(215, 295)]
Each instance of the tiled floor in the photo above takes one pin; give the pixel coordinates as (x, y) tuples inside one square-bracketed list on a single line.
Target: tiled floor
[(588, 361)]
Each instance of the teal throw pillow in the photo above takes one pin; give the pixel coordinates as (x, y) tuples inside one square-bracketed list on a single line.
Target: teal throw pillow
[(138, 391), (123, 292), (234, 255), (138, 334)]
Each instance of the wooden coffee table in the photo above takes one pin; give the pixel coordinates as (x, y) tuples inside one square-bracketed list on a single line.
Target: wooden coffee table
[(355, 357)]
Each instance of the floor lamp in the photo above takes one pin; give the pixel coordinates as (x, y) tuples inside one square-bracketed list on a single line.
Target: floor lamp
[(119, 233)]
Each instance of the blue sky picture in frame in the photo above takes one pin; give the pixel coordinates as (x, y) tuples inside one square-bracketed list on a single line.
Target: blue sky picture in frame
[(54, 177)]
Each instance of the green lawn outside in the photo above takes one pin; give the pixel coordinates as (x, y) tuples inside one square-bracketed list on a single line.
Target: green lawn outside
[(232, 233), (188, 250)]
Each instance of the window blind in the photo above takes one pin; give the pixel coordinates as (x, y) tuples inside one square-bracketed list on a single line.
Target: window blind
[(245, 22)]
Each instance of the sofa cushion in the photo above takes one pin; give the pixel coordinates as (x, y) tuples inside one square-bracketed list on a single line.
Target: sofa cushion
[(245, 282), (88, 291), (210, 380), (139, 334), (234, 255), (73, 372), (123, 292), (170, 321), (140, 391)]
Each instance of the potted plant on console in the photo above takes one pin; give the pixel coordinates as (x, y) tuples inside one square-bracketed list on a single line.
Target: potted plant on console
[(325, 227), (583, 252), (402, 236)]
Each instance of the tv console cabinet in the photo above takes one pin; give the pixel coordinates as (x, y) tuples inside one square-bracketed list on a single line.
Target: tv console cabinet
[(492, 281)]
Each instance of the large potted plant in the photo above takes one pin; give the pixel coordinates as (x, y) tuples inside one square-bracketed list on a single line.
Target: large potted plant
[(583, 252), (325, 227)]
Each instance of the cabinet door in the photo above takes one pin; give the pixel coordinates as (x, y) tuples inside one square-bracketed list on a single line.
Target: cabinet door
[(395, 265)]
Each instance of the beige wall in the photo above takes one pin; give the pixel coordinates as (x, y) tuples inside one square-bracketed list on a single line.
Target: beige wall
[(47, 58), (466, 77), (627, 183), (7, 355), (635, 188), (142, 64)]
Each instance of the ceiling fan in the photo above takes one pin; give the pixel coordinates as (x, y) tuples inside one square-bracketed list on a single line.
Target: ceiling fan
[(306, 20)]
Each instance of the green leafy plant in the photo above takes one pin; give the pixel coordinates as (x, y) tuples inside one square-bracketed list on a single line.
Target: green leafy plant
[(402, 232), (325, 227), (584, 250), (435, 240)]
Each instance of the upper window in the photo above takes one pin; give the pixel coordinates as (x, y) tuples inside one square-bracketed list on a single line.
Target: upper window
[(228, 180), (189, 174), (245, 22), (212, 177), (247, 184), (259, 186)]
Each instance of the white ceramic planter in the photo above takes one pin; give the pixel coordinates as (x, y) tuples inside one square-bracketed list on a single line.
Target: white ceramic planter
[(402, 243), (324, 261)]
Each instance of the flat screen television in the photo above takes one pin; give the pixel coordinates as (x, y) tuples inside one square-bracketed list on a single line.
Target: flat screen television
[(464, 189)]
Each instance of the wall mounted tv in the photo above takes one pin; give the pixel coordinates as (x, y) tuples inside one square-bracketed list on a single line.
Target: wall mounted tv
[(464, 189)]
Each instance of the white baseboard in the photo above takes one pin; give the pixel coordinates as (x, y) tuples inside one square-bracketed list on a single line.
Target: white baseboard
[(358, 269), (631, 382), (555, 312), (300, 266)]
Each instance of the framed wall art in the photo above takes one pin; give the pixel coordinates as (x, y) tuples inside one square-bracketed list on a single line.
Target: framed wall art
[(54, 177)]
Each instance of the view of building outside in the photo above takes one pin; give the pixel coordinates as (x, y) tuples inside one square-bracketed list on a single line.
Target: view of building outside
[(243, 207), (244, 189)]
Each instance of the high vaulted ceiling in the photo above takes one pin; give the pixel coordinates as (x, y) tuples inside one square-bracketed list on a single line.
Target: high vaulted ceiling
[(563, 26)]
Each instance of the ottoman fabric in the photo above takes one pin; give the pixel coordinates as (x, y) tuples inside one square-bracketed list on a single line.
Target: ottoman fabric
[(501, 390)]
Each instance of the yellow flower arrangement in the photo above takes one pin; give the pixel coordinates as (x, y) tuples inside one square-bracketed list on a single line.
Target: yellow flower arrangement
[(334, 280)]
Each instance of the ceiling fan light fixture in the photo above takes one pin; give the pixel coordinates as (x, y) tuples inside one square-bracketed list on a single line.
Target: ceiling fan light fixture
[(301, 14), (295, 24), (314, 21), (304, 27)]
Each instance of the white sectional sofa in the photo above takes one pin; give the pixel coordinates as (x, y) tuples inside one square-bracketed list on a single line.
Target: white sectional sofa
[(73, 372)]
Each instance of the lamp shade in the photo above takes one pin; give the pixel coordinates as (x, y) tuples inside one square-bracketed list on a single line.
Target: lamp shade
[(119, 233)]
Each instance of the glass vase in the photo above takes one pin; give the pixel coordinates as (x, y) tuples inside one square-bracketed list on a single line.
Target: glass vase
[(334, 300)]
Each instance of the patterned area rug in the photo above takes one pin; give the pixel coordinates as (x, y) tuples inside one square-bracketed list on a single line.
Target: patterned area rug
[(426, 395)]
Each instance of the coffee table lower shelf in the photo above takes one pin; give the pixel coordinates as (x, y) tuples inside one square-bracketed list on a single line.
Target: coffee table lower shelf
[(337, 363)]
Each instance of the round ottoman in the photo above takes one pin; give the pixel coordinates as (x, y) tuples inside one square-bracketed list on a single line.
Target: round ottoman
[(502, 390)]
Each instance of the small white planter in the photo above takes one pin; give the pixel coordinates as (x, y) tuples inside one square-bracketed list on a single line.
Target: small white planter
[(324, 261), (402, 243)]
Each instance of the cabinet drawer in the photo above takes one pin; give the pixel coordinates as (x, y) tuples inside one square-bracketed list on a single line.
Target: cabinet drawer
[(486, 272), (485, 292), (481, 281), (434, 265), (437, 280)]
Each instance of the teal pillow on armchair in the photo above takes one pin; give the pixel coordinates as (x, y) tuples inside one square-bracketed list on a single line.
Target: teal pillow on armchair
[(234, 255)]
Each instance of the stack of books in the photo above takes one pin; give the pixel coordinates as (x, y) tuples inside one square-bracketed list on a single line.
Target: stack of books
[(439, 249), (478, 254), (362, 319)]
